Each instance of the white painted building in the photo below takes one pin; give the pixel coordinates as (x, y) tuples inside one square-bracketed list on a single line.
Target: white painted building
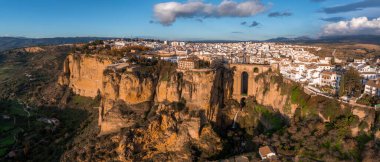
[(330, 78), (372, 87)]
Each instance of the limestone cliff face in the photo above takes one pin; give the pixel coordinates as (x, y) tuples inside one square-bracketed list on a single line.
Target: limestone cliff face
[(169, 90), (200, 89), (194, 87), (171, 134), (84, 74), (167, 118), (127, 87), (197, 88), (269, 93), (204, 90), (263, 83)]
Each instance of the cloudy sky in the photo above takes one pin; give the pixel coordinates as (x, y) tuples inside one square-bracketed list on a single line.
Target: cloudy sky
[(189, 19)]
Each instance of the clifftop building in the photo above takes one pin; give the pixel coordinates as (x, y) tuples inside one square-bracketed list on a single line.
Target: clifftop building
[(188, 63), (330, 78), (373, 87)]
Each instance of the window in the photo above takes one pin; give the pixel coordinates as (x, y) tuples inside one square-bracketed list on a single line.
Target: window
[(255, 70)]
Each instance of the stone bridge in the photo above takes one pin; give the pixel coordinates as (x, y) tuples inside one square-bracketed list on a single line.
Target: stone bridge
[(244, 78)]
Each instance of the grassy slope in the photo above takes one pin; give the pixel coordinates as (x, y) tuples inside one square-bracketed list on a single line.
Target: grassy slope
[(30, 138), (37, 139)]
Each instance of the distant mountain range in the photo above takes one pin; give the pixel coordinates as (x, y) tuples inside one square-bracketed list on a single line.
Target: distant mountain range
[(373, 39), (18, 42)]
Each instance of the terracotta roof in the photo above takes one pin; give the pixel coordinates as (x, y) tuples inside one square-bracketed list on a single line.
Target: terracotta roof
[(265, 150), (374, 83), (329, 72), (311, 66), (324, 65), (189, 59)]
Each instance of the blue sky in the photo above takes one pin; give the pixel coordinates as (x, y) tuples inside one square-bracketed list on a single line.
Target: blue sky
[(136, 18)]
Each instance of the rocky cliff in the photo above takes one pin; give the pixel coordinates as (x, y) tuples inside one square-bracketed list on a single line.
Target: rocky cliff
[(89, 76), (201, 90), (269, 90), (195, 89), (150, 113), (84, 74)]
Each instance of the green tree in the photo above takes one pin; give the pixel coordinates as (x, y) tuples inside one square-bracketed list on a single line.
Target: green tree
[(350, 83)]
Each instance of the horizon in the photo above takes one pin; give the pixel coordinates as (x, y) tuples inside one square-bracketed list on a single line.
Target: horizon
[(277, 39), (199, 20)]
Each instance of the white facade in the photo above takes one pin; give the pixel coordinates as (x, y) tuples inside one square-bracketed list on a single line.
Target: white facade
[(328, 78), (372, 87)]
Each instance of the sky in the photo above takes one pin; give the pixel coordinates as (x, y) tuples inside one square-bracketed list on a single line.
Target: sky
[(189, 19)]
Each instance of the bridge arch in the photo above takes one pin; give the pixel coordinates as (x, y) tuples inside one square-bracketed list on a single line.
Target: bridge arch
[(244, 83)]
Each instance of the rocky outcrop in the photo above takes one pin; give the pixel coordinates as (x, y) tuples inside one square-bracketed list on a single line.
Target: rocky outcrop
[(182, 115), (127, 87), (193, 88), (89, 76), (84, 74), (113, 120), (169, 137), (271, 95), (200, 90), (171, 133), (169, 90), (34, 49)]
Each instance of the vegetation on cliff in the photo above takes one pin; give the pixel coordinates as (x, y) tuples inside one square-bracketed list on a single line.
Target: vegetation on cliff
[(98, 47), (321, 129)]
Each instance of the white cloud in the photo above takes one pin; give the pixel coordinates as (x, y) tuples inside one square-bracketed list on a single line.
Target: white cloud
[(355, 26), (167, 13)]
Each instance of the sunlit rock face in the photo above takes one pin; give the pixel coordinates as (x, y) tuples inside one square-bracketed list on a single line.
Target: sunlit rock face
[(201, 90), (259, 83), (84, 74), (169, 90), (127, 87), (205, 89), (171, 134), (147, 116)]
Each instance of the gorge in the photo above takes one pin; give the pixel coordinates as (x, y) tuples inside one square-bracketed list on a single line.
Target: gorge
[(188, 106), (148, 110)]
